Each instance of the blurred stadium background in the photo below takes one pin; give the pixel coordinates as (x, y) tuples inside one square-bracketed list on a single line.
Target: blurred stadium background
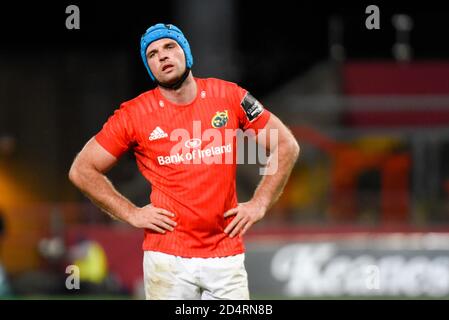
[(366, 211)]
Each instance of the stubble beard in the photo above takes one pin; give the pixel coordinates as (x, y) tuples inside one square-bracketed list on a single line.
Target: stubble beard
[(173, 80)]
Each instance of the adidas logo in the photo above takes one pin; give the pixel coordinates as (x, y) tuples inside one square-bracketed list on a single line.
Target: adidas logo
[(157, 133)]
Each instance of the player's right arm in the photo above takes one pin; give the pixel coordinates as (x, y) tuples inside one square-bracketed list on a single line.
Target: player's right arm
[(88, 173)]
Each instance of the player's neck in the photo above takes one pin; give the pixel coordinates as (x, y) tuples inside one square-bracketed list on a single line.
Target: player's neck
[(184, 94)]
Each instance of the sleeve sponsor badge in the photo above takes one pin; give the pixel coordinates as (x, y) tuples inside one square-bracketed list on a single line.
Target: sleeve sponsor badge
[(252, 107)]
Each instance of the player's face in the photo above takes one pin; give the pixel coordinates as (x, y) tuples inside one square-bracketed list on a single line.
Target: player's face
[(166, 60)]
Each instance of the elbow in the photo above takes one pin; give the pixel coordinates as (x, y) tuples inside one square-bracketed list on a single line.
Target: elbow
[(74, 174), (294, 149)]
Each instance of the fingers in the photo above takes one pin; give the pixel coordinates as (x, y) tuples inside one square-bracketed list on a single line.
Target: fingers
[(169, 221), (156, 228), (234, 227), (245, 228), (163, 225), (159, 219), (231, 212), (243, 220), (164, 212), (238, 227), (164, 222)]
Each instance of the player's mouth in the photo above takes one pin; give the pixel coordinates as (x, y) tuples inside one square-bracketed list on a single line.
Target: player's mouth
[(167, 67)]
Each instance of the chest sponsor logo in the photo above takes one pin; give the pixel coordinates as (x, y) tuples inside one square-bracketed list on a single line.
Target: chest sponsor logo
[(220, 119), (212, 146), (194, 154)]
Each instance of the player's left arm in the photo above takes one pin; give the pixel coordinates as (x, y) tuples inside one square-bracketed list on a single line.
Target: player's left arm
[(283, 153)]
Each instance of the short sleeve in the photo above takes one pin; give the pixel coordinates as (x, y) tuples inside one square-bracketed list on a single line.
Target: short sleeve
[(251, 113), (117, 136)]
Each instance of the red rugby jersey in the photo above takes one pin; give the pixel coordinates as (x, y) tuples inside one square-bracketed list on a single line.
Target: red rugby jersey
[(187, 153)]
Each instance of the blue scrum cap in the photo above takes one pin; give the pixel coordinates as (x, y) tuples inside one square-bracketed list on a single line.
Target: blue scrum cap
[(160, 31)]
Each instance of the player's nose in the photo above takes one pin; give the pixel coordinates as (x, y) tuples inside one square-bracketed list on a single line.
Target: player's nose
[(163, 57)]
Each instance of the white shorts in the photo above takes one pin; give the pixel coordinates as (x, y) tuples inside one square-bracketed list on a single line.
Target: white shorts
[(169, 277)]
